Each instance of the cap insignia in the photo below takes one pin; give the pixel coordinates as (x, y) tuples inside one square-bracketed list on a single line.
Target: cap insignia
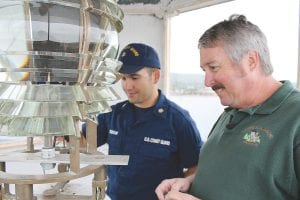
[(134, 51)]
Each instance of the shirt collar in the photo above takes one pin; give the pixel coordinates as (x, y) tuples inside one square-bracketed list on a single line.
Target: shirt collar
[(159, 109), (272, 103)]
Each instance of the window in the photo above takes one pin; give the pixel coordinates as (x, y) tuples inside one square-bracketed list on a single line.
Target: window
[(279, 20)]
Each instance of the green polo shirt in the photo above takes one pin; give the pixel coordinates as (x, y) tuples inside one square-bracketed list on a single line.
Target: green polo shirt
[(253, 153)]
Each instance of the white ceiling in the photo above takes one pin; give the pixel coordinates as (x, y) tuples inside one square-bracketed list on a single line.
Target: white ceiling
[(161, 8)]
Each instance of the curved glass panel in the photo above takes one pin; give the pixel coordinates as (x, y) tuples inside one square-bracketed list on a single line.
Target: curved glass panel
[(39, 109), (97, 107), (50, 109), (55, 31), (28, 126), (56, 59), (40, 92), (56, 93), (60, 75), (96, 94)]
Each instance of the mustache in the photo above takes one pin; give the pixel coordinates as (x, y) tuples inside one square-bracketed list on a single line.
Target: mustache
[(216, 87)]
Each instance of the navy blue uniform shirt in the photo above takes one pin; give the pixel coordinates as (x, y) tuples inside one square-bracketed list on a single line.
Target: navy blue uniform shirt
[(160, 142)]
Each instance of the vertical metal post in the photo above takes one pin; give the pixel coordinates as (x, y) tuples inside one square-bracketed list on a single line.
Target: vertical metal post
[(24, 192), (99, 184), (30, 145), (298, 72), (75, 148), (91, 135), (166, 55), (74, 154), (5, 189)]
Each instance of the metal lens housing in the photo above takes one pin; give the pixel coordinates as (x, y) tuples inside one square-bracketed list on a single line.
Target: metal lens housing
[(57, 61)]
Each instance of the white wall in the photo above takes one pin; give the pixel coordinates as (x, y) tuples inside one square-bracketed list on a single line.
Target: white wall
[(146, 29), (143, 28)]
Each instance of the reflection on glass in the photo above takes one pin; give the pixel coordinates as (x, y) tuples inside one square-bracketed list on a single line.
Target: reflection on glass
[(56, 57)]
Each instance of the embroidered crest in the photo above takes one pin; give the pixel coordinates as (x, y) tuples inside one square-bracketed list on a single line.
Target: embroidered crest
[(254, 135)]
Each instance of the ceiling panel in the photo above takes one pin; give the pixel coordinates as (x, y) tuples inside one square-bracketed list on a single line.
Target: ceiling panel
[(161, 8)]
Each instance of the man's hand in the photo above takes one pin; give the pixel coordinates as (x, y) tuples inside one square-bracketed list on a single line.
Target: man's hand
[(174, 185), (175, 195)]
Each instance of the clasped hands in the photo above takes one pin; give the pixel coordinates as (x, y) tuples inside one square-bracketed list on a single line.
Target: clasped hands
[(174, 189)]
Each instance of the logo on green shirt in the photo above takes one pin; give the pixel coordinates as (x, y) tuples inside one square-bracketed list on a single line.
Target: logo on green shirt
[(252, 138), (254, 135)]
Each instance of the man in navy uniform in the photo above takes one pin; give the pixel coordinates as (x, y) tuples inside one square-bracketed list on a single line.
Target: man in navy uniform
[(160, 137)]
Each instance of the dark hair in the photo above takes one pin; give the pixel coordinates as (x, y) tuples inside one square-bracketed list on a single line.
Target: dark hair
[(238, 36)]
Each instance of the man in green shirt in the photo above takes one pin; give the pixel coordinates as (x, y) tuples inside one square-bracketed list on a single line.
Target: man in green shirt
[(253, 150)]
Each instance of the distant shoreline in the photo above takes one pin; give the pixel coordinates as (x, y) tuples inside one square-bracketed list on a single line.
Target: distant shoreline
[(197, 95)]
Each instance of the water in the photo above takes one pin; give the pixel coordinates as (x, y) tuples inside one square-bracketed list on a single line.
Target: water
[(205, 110)]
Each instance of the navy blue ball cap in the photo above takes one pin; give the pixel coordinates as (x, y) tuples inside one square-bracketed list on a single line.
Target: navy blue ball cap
[(136, 56)]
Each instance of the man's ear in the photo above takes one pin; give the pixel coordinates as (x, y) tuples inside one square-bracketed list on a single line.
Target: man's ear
[(156, 74), (253, 60)]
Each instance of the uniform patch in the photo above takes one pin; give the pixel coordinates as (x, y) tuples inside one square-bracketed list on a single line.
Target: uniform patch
[(157, 141), (253, 135), (113, 132)]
